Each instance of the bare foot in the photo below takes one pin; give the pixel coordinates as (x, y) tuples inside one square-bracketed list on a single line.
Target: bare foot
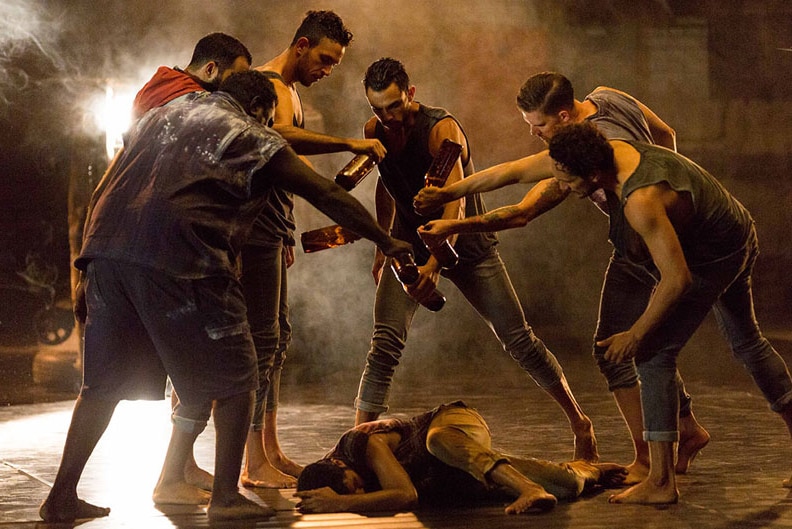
[(180, 494), (647, 493), (267, 477), (69, 510), (282, 463), (605, 474), (585, 442), (237, 508), (690, 444), (636, 473), (787, 483), (538, 501), (198, 477)]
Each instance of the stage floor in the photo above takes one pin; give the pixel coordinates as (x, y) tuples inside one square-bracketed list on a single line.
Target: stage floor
[(735, 483)]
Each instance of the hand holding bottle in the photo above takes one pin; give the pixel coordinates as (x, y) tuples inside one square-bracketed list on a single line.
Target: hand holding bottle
[(437, 175), (410, 277)]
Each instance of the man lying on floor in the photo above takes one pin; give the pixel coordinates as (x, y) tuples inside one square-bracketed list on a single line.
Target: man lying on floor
[(439, 456)]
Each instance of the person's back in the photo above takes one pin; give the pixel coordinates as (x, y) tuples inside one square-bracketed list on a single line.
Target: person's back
[(181, 161), (166, 85)]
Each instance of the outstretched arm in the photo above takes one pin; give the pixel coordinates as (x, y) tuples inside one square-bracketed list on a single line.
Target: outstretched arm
[(523, 171), (543, 197), (286, 171), (307, 142)]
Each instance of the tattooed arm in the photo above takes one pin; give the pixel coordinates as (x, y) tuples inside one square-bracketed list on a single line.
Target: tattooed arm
[(544, 196)]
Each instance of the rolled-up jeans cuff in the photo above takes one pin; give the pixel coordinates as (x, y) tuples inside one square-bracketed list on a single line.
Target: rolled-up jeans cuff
[(670, 436), (188, 425), (369, 407)]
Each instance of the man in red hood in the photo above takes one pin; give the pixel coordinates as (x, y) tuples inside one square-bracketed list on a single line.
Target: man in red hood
[(216, 56)]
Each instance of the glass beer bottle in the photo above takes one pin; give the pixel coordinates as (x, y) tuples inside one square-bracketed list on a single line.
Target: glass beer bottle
[(355, 171), (437, 175), (407, 272), (327, 237)]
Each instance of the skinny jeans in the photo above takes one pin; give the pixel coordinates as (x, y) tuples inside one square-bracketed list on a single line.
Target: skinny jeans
[(487, 287), (265, 288)]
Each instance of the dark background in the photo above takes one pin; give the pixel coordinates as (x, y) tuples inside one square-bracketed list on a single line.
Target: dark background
[(719, 72)]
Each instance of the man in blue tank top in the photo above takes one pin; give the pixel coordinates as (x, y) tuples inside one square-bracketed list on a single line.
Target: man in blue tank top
[(412, 134), (546, 101), (699, 245)]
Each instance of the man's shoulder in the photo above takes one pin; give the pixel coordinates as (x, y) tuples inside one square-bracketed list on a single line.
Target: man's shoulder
[(433, 112), (604, 94), (273, 74)]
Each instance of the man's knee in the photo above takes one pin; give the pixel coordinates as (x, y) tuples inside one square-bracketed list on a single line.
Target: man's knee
[(618, 375), (439, 441)]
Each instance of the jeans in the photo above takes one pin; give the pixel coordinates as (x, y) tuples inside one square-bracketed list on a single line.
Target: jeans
[(725, 287), (626, 290), (487, 287), (265, 288)]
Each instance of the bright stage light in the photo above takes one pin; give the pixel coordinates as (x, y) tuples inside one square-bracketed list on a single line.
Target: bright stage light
[(112, 115)]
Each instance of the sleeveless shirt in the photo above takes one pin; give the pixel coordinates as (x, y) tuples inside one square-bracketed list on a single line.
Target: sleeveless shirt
[(719, 225), (403, 174)]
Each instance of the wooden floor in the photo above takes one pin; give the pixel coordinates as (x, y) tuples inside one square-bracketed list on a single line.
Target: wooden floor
[(735, 483)]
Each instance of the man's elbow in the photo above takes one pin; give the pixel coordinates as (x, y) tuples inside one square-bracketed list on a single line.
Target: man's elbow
[(410, 500), (683, 283)]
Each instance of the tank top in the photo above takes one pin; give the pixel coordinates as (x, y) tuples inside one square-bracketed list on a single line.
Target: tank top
[(403, 174), (276, 222), (719, 225)]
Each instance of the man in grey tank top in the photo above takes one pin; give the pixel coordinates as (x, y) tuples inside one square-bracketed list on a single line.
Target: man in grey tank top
[(546, 101)]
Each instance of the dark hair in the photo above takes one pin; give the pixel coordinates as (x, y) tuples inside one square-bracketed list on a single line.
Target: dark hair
[(319, 24), (322, 473), (581, 150), (384, 72), (546, 92), (248, 85), (221, 48)]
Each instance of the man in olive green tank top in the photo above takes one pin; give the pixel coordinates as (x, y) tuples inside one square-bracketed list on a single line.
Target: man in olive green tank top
[(699, 244)]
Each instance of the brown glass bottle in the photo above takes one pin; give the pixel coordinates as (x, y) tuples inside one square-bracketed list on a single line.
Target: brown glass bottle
[(444, 253), (327, 237), (443, 163), (405, 269), (437, 175), (356, 170)]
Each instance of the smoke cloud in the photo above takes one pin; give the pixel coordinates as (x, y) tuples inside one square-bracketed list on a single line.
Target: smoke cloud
[(467, 56)]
